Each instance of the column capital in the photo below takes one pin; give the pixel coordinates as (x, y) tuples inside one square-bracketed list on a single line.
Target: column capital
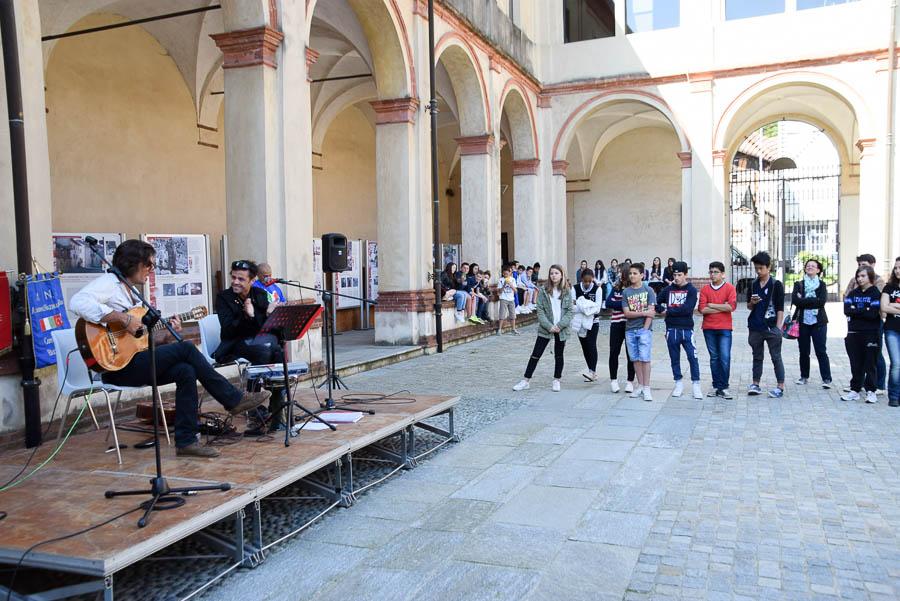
[(543, 101), (526, 167), (405, 301), (311, 57), (560, 168), (469, 145), (866, 146), (396, 110), (718, 158), (687, 159), (249, 47)]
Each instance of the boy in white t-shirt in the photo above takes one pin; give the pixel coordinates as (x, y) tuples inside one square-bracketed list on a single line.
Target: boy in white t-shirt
[(507, 287)]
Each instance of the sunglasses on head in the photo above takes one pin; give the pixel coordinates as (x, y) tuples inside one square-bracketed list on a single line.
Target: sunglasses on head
[(242, 265)]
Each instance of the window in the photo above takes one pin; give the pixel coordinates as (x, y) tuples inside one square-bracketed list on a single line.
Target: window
[(647, 15), (804, 4), (588, 20), (741, 9)]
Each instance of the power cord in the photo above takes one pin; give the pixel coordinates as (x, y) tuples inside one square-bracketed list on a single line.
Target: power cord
[(15, 572), (49, 423)]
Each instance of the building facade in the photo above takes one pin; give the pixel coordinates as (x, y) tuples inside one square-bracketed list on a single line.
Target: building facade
[(567, 130)]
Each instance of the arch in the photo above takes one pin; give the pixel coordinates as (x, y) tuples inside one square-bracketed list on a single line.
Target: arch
[(386, 33), (524, 139), (723, 131), (566, 132), (607, 137), (467, 79)]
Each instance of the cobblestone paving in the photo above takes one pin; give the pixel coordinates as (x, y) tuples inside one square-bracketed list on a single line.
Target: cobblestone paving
[(591, 495)]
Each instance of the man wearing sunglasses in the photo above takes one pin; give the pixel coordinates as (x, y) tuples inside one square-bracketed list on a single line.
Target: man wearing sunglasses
[(106, 300), (242, 311)]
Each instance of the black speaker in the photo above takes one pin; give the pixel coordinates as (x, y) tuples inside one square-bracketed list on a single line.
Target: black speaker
[(334, 253)]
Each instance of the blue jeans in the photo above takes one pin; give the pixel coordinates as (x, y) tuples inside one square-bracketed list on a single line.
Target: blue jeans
[(718, 344), (817, 334), (880, 364), (892, 342), (639, 342), (460, 297), (675, 340)]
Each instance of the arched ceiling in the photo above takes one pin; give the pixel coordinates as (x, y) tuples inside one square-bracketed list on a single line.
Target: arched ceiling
[(805, 144), (601, 126)]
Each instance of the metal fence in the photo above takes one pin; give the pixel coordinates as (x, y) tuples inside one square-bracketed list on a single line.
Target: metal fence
[(792, 214)]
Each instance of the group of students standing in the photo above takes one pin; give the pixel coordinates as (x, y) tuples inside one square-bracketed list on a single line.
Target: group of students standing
[(871, 307)]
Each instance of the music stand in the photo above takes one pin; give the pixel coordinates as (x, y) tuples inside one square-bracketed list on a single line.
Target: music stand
[(291, 321)]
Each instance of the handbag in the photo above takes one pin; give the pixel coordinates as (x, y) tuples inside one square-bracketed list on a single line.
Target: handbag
[(790, 329)]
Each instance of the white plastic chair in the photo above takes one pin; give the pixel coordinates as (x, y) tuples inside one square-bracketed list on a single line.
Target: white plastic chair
[(79, 383), (211, 338)]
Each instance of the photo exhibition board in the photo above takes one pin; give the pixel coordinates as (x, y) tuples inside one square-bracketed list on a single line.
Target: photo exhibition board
[(371, 269), (76, 264), (181, 280), (349, 282)]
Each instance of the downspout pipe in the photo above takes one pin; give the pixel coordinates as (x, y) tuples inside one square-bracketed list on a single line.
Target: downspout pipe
[(891, 221), (437, 255), (30, 384)]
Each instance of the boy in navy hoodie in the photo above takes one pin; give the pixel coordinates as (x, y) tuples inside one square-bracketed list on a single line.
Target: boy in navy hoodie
[(678, 301)]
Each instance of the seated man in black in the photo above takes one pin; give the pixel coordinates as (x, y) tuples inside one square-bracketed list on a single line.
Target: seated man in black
[(242, 311)]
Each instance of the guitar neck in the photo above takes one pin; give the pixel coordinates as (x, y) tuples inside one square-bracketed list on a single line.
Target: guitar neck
[(161, 324)]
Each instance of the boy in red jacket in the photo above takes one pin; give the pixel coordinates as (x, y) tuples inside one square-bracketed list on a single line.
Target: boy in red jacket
[(718, 300)]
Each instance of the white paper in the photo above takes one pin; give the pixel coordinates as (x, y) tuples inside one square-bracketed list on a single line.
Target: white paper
[(181, 279), (78, 266)]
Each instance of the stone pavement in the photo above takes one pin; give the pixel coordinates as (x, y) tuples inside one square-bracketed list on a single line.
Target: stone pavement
[(586, 494)]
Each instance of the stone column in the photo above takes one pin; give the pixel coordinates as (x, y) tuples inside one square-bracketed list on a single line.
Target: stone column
[(480, 203), (716, 232), (686, 205), (37, 156), (527, 211), (872, 205), (405, 296), (558, 246)]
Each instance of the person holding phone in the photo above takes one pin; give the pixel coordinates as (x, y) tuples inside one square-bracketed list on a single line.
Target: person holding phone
[(765, 299)]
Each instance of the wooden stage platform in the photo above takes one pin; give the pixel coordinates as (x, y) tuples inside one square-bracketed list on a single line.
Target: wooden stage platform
[(67, 494)]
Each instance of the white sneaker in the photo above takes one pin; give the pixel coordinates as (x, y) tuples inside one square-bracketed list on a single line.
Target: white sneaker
[(637, 391), (629, 386), (679, 388), (589, 375), (850, 396), (698, 392), (519, 310), (847, 389), (648, 395), (523, 385), (614, 385), (881, 392), (871, 397), (460, 317), (555, 386), (801, 382)]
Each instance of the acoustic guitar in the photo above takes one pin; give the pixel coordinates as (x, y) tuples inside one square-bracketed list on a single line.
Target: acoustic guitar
[(109, 347)]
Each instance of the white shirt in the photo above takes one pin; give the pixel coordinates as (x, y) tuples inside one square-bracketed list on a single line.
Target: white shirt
[(100, 298), (556, 305)]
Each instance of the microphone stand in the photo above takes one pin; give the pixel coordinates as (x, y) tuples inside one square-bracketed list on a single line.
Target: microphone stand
[(332, 379), (161, 494)]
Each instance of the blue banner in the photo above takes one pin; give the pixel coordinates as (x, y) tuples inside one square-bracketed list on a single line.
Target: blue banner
[(47, 311)]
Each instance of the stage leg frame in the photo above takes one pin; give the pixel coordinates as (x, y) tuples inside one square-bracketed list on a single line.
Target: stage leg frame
[(65, 592)]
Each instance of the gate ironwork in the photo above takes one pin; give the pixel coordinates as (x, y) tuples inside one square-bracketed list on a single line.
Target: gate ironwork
[(792, 214)]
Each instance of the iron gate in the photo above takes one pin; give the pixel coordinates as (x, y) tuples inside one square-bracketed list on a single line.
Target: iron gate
[(791, 213)]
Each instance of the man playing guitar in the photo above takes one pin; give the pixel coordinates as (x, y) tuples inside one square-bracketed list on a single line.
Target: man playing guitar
[(106, 300)]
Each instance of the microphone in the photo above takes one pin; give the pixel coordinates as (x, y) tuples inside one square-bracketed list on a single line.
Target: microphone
[(90, 240), (281, 281)]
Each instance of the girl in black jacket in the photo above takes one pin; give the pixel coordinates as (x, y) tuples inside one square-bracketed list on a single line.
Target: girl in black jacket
[(863, 310), (809, 298)]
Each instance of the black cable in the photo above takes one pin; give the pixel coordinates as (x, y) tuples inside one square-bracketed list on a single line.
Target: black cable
[(368, 398), (49, 423), (58, 539)]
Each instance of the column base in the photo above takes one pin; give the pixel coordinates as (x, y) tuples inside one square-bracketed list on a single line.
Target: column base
[(404, 317)]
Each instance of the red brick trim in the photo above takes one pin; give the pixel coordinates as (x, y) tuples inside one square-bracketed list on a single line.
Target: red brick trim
[(475, 144), (398, 110), (249, 47), (311, 57), (718, 157), (420, 7), (687, 159), (560, 168), (405, 301), (544, 101), (526, 167), (865, 144), (495, 65)]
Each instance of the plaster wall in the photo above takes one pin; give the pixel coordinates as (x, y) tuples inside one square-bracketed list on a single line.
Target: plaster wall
[(344, 190), (633, 207), (123, 141)]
